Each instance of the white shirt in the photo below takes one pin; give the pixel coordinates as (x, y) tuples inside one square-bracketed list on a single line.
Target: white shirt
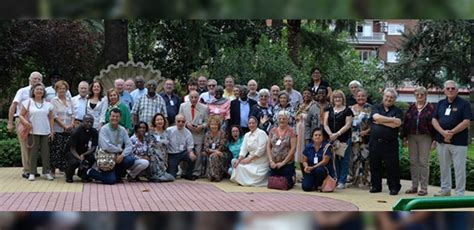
[(51, 93), (137, 94), (21, 95), (79, 106), (38, 116), (206, 97)]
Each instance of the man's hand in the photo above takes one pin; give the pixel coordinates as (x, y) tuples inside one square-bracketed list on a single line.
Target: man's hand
[(119, 159), (192, 156)]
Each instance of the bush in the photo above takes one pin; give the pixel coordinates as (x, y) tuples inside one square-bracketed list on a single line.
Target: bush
[(10, 154)]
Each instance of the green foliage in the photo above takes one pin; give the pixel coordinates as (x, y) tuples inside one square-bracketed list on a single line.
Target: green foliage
[(437, 50), (10, 155)]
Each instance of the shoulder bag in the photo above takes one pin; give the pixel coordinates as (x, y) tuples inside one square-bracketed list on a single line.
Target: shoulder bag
[(329, 183)]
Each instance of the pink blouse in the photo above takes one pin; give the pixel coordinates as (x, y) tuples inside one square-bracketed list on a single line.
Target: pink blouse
[(222, 110)]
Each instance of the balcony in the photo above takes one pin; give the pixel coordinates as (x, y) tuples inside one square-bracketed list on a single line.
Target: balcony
[(376, 38)]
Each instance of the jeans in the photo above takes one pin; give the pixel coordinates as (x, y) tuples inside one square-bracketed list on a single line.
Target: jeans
[(342, 164), (111, 177)]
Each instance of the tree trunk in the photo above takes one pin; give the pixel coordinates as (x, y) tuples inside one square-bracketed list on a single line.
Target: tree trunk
[(294, 40), (277, 26), (471, 75), (116, 41)]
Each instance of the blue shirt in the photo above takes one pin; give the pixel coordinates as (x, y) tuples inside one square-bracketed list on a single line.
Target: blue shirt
[(460, 111), (234, 147), (172, 106), (126, 99), (244, 113), (311, 153)]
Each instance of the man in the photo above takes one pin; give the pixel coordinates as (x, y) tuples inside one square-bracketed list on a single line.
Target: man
[(180, 148), (84, 141), (208, 96), (202, 84), (295, 96), (22, 95), (354, 87), (80, 102), (113, 138), (274, 92), (253, 93), (149, 105), (229, 87), (140, 90), (240, 110), (125, 97), (196, 114), (386, 120), (129, 85), (451, 121), (50, 91), (172, 101)]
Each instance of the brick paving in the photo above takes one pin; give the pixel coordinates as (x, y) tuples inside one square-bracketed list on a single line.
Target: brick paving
[(176, 196)]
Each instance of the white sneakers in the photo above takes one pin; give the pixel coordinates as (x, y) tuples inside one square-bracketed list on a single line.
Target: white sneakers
[(341, 186), (48, 176)]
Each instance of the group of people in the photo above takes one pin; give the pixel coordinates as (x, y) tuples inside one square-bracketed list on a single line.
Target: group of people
[(238, 132)]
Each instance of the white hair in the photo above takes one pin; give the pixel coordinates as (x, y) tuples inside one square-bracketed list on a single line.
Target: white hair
[(450, 82), (355, 82), (252, 80), (392, 91), (36, 73), (283, 113), (263, 91)]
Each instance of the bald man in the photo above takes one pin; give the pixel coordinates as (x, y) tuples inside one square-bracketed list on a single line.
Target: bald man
[(125, 97)]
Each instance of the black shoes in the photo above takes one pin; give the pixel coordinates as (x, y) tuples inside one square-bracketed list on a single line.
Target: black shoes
[(190, 177), (393, 192), (69, 181), (375, 190), (25, 175)]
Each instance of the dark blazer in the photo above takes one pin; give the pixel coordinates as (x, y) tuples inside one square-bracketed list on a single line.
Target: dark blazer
[(235, 111)]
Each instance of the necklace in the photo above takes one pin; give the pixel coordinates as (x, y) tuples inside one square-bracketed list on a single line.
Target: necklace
[(36, 105)]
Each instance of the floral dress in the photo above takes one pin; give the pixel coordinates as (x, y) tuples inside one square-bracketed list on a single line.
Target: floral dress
[(217, 166), (158, 158), (359, 171), (301, 114)]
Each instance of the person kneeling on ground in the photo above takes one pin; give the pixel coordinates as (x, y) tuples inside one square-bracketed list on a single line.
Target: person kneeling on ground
[(140, 147), (316, 162)]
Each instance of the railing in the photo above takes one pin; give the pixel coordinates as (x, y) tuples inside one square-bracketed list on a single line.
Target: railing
[(375, 37), (408, 204)]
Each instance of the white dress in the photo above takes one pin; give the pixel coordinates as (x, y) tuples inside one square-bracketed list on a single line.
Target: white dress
[(256, 172)]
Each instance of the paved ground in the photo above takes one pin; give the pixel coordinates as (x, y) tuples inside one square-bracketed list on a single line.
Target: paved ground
[(17, 194)]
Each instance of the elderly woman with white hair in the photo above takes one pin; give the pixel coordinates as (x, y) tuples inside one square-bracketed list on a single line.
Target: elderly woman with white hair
[(354, 87), (284, 104), (281, 149), (263, 111)]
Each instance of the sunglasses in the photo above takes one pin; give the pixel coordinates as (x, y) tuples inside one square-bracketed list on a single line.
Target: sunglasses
[(450, 88), (180, 121), (211, 85)]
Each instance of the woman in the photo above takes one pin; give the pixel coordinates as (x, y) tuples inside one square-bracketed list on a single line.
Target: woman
[(157, 151), (301, 115), (263, 111), (229, 88), (192, 86), (234, 144), (37, 115), (418, 130), (215, 149), (95, 103), (236, 91), (284, 105), (140, 151), (114, 102), (337, 123), (251, 168), (359, 171), (317, 81), (317, 161), (63, 125), (220, 106), (281, 149)]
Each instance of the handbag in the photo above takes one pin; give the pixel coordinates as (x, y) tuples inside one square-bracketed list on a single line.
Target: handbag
[(329, 183), (105, 160), (340, 148), (22, 130), (278, 182)]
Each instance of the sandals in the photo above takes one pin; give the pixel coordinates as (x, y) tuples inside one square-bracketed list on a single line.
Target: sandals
[(422, 193), (411, 191)]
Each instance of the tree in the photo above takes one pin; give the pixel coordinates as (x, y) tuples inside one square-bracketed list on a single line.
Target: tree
[(116, 41), (434, 52)]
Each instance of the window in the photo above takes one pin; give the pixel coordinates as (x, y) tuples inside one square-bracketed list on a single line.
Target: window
[(392, 56), (366, 54), (396, 29)]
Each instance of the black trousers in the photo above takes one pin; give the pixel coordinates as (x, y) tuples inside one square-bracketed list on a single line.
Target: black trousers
[(383, 151), (73, 163)]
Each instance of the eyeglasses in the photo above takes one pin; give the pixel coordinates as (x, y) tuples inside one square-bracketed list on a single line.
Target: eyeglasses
[(450, 88), (180, 121), (263, 95), (211, 85), (419, 94)]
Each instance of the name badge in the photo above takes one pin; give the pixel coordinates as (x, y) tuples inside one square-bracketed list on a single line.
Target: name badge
[(315, 160), (89, 144), (171, 102), (181, 147), (278, 142), (448, 111), (213, 146)]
